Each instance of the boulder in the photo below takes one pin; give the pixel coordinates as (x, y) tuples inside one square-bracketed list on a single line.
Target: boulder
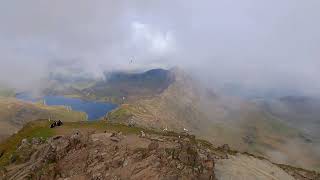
[(76, 137), (24, 144), (187, 154), (36, 141), (114, 139)]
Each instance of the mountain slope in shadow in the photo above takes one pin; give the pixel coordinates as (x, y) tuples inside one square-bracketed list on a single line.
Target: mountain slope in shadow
[(116, 86)]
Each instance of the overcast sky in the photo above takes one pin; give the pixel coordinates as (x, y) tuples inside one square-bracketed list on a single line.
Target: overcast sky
[(257, 44)]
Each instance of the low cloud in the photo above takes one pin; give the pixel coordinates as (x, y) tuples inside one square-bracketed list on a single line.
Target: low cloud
[(258, 45)]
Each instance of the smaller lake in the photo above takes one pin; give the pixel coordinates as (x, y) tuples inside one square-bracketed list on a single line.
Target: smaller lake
[(94, 110)]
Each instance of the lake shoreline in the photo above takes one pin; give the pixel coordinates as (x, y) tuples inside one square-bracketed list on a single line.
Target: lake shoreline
[(95, 110)]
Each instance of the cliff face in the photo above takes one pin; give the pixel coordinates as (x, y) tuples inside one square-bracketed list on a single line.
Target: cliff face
[(106, 154)]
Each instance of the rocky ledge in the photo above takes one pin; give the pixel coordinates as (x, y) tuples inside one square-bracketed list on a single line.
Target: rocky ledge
[(116, 156)]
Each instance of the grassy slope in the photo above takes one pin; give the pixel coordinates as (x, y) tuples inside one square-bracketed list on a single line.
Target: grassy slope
[(14, 114), (120, 115), (35, 129)]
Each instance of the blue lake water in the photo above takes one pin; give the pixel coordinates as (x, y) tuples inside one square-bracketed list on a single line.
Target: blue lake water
[(94, 110)]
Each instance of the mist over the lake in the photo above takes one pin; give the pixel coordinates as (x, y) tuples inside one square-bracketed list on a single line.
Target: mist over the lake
[(258, 45)]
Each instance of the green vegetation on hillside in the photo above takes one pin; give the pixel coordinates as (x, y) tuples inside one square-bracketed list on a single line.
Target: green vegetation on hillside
[(60, 112), (14, 110), (119, 115), (14, 114), (34, 129)]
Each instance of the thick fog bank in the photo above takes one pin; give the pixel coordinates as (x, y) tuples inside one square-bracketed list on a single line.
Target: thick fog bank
[(254, 45)]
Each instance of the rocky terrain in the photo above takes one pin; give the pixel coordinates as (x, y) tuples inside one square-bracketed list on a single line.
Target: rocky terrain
[(243, 124), (106, 153), (171, 100)]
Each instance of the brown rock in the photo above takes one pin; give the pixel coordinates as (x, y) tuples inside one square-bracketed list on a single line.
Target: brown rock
[(116, 163), (180, 166), (153, 146), (113, 135), (134, 158), (24, 143), (114, 139), (209, 164), (36, 141), (75, 138)]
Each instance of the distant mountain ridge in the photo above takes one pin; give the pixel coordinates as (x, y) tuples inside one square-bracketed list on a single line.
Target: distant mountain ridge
[(172, 99), (116, 86), (300, 111), (241, 123), (122, 84)]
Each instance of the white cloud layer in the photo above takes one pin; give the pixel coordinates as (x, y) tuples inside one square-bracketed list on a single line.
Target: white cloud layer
[(257, 44)]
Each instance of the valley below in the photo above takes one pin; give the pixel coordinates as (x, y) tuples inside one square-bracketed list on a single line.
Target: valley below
[(94, 109), (161, 101)]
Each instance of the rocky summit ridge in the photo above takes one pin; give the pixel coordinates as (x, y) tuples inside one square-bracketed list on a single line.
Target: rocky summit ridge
[(84, 154)]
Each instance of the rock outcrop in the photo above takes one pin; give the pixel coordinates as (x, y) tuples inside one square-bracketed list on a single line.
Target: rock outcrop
[(116, 156)]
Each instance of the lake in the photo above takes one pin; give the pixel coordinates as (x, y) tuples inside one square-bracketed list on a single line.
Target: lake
[(94, 110)]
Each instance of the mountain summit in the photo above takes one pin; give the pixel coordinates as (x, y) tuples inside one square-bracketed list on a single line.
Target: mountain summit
[(112, 151)]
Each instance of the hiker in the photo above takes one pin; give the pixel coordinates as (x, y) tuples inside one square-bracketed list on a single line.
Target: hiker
[(56, 123), (53, 125), (59, 123)]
